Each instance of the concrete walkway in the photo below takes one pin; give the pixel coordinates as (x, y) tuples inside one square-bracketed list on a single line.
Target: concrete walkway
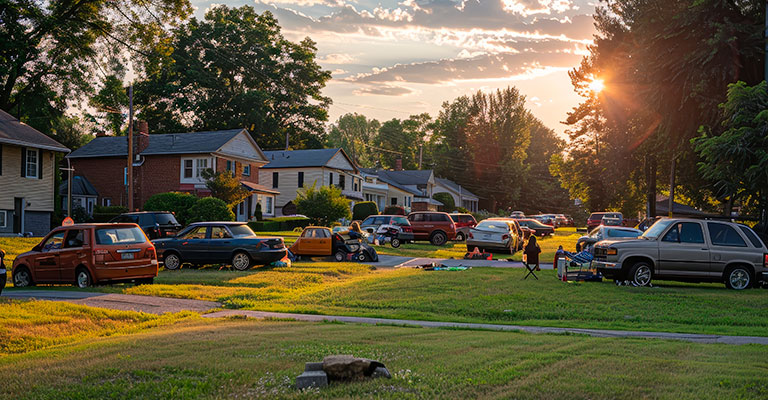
[(454, 262), (689, 337)]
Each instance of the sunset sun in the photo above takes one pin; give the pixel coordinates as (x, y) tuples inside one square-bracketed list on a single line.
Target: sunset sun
[(596, 86)]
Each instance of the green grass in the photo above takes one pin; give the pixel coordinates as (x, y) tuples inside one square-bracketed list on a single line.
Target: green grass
[(14, 246), (260, 359)]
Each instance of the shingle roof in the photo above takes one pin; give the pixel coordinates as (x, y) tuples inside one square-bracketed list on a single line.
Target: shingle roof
[(455, 186), (410, 177), (13, 131), (382, 176), (171, 143), (299, 158), (80, 187)]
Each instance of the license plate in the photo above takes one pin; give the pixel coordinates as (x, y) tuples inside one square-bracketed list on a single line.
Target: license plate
[(128, 256)]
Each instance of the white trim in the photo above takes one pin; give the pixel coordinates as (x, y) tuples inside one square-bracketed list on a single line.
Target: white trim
[(36, 164), (196, 169), (37, 146)]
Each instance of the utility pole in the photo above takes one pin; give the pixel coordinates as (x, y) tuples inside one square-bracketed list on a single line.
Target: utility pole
[(420, 148), (672, 186), (129, 168), (765, 61)]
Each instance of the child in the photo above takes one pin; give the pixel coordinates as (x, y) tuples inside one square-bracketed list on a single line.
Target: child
[(532, 251)]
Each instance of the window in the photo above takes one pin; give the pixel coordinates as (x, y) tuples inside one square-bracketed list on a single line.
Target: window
[(394, 201), (106, 202), (409, 201), (301, 179), (219, 232), (32, 161), (750, 235), (724, 235), (197, 232), (1, 159), (625, 233), (201, 164), (275, 178), (342, 181), (416, 217), (75, 238), (188, 171), (192, 169), (269, 205), (120, 236), (54, 242), (229, 165), (3, 216), (330, 179), (146, 220), (247, 170), (368, 221)]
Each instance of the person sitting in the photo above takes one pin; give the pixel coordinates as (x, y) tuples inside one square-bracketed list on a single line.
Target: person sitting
[(532, 251)]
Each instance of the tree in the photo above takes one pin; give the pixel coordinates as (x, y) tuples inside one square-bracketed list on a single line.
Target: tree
[(176, 202), (109, 102), (224, 186), (354, 133), (210, 209), (448, 204), (364, 209), (403, 140), (323, 206), (735, 157), (234, 69), (258, 214)]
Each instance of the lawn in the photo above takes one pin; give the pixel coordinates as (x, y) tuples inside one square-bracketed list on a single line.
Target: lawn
[(260, 359)]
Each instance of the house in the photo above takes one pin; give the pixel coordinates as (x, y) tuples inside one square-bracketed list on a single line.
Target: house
[(174, 162), (27, 175), (84, 195), (461, 196), (290, 170), (411, 189)]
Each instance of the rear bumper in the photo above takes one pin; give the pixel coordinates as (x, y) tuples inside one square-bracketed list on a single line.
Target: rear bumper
[(268, 256), (763, 276), (488, 245)]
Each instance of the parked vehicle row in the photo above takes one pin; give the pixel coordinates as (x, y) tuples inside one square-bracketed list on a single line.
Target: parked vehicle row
[(496, 234), (321, 241)]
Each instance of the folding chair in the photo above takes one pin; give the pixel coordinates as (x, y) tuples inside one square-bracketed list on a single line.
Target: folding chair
[(530, 268)]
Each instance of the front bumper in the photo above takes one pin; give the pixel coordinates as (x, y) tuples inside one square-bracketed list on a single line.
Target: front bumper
[(609, 265)]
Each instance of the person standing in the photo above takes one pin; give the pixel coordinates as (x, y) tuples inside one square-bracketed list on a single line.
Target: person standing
[(532, 251)]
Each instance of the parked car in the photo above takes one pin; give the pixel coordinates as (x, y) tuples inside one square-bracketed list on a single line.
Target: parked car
[(570, 220), (685, 249), (372, 224), (231, 243), (561, 220), (3, 271), (88, 254), (437, 227), (464, 222), (517, 214), (156, 224), (494, 235), (538, 228), (596, 219), (523, 233), (587, 242), (320, 241)]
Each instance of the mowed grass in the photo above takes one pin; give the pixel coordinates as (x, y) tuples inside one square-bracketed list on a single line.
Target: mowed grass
[(203, 359), (32, 325)]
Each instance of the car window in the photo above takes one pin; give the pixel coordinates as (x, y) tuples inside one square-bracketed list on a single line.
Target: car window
[(456, 218), (439, 218), (416, 217), (724, 235), (122, 235), (672, 236), (54, 242), (241, 230), (690, 232), (220, 232), (402, 221), (493, 225), (323, 233), (622, 233), (197, 232), (146, 220), (752, 236), (308, 233), (381, 220), (74, 238), (368, 221), (657, 228), (166, 219)]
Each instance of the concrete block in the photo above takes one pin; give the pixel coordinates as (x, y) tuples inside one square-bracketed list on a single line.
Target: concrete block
[(313, 366), (312, 378)]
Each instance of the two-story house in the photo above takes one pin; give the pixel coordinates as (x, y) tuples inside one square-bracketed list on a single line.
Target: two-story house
[(27, 175), (173, 162), (289, 171), (412, 189), (461, 196)]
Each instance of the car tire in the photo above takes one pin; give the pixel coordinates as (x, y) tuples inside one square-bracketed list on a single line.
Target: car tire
[(460, 237), (395, 242), (340, 256), (22, 277), (640, 274), (738, 278), (171, 261), (83, 278), (241, 261), (362, 257), (438, 239)]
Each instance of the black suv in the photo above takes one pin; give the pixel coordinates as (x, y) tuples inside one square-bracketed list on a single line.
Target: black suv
[(156, 224)]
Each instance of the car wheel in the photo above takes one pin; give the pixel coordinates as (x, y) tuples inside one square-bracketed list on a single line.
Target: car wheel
[(395, 242), (172, 261), (340, 256), (241, 261), (362, 257), (641, 273), (22, 277), (738, 278), (460, 237), (83, 278), (438, 239)]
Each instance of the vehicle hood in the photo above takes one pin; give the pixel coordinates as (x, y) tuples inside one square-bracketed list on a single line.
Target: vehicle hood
[(627, 243), (23, 255)]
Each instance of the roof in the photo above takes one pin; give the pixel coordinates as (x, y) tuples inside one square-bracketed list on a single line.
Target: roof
[(410, 177), (255, 187), (455, 187), (80, 187), (159, 144), (386, 178), (13, 131), (301, 158)]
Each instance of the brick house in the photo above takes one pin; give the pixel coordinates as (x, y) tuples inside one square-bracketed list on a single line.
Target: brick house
[(173, 163), (27, 175)]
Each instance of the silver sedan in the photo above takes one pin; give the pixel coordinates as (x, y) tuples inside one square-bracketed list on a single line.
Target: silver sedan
[(497, 235)]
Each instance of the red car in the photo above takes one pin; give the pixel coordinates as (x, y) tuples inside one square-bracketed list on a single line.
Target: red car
[(87, 254), (437, 227), (596, 219), (463, 222)]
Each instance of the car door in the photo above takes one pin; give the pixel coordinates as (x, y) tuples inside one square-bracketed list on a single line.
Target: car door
[(683, 251), (418, 223), (725, 244), (73, 253), (46, 263), (194, 244), (220, 244)]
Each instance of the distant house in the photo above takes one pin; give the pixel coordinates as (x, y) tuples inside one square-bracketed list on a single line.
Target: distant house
[(289, 171), (174, 162), (27, 171), (411, 189), (461, 196), (83, 194)]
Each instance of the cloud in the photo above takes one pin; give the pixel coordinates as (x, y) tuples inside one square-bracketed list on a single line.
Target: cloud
[(336, 59), (383, 90), (305, 3)]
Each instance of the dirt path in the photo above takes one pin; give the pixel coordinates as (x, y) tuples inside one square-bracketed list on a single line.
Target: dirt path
[(126, 302)]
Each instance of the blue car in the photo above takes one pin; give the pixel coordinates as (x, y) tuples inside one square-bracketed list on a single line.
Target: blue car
[(219, 243)]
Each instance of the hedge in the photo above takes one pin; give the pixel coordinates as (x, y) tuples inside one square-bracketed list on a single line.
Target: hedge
[(279, 224), (264, 226)]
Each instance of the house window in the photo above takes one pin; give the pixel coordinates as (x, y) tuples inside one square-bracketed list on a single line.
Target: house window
[(2, 218), (31, 164), (330, 179), (275, 178), (106, 202), (301, 179), (192, 169), (247, 170), (188, 169), (201, 164), (355, 186), (342, 182), (394, 201), (409, 200), (269, 205)]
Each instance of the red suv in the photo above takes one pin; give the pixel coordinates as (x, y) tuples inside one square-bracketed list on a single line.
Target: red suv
[(464, 222), (596, 219), (87, 254), (437, 227)]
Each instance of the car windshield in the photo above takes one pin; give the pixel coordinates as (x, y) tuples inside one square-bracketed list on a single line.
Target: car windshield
[(166, 219), (656, 229), (123, 235), (623, 233), (401, 221), (241, 230), (493, 226)]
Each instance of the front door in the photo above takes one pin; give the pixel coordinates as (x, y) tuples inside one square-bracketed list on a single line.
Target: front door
[(47, 262), (683, 252), (17, 214), (72, 254), (220, 246), (194, 245)]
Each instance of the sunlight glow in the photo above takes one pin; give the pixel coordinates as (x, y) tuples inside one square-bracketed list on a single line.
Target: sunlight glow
[(596, 86)]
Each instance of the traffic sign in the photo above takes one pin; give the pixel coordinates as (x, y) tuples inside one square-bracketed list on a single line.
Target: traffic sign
[(68, 222)]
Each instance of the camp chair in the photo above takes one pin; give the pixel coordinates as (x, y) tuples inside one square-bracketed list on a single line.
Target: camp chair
[(531, 268)]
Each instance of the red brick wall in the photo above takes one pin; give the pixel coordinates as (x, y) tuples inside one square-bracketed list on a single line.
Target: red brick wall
[(106, 175), (221, 165), (158, 174)]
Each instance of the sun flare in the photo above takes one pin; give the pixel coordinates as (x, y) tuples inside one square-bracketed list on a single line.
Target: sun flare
[(596, 86)]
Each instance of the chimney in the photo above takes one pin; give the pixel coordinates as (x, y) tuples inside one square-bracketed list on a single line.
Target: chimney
[(142, 136), (399, 164), (101, 134)]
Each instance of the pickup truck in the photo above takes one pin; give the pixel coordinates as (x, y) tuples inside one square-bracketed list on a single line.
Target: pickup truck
[(689, 250)]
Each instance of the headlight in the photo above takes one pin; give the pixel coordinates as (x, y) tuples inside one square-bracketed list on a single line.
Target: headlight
[(612, 252)]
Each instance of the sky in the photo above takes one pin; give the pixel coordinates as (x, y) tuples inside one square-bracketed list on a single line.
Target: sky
[(391, 59)]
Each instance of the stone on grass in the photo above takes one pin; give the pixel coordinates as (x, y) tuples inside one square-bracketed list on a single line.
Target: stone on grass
[(311, 379), (348, 368), (381, 372)]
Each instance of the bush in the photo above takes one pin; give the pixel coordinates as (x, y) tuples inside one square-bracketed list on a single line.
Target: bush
[(448, 204), (394, 210), (323, 206), (462, 210), (291, 223), (175, 202), (364, 209), (210, 209), (106, 213), (265, 226), (258, 214)]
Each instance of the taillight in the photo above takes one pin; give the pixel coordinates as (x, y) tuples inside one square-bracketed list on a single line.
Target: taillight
[(504, 237), (471, 236), (151, 253), (765, 261)]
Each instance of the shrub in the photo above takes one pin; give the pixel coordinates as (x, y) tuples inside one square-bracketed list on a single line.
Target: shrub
[(462, 210), (176, 202), (210, 209), (223, 185), (258, 214), (323, 206), (364, 209), (448, 204), (394, 210), (291, 223), (106, 213), (265, 226)]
